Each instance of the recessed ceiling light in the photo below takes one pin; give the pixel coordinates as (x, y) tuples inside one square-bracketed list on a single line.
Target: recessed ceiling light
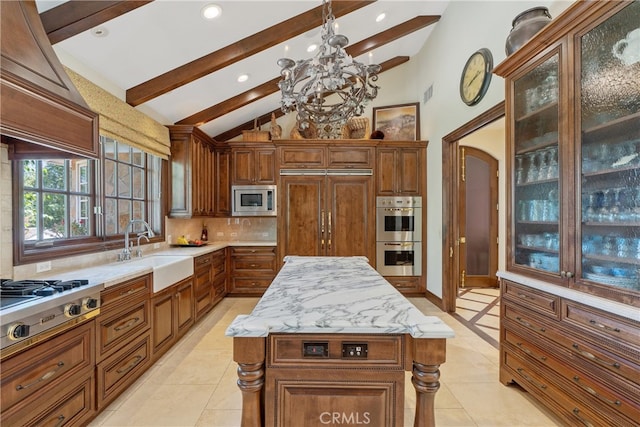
[(381, 17), (100, 32), (243, 78), (312, 47), (211, 11)]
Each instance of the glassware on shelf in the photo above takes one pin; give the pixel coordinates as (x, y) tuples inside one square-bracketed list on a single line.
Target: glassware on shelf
[(543, 166), (532, 170), (553, 163), (519, 170)]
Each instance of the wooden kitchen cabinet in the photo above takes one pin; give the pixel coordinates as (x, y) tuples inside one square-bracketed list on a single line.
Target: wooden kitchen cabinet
[(223, 182), (326, 216), (219, 268), (401, 169), (572, 116), (194, 177), (172, 315), (123, 337), (251, 269), (253, 163), (325, 154), (203, 284), (51, 382)]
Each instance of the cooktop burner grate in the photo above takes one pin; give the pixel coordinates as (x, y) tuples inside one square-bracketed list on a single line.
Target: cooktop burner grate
[(11, 288)]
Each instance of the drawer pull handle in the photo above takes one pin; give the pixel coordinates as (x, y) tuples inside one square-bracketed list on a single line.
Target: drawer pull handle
[(530, 353), (126, 324), (127, 292), (254, 265), (595, 358), (576, 412), (130, 366), (603, 326), (45, 377), (531, 380), (595, 393), (529, 325), (525, 296), (60, 419)]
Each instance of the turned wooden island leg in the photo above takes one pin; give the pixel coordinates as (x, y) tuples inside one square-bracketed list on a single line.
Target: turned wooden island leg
[(428, 355), (249, 354)]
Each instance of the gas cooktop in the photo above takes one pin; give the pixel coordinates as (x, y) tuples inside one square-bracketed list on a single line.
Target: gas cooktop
[(13, 292)]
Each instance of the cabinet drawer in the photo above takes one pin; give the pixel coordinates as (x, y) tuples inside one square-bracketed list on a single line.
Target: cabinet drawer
[(360, 157), (532, 298), (57, 360), (240, 284), (253, 250), (219, 263), (542, 383), (126, 291), (118, 371), (622, 331), (72, 408), (254, 265), (594, 385), (219, 287), (202, 261), (117, 329)]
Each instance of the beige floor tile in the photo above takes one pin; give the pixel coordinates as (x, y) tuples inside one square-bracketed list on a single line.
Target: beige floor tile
[(491, 404), (220, 418), (165, 405)]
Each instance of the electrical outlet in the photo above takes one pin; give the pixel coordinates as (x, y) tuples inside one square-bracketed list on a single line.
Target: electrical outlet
[(237, 220), (234, 234), (156, 246), (43, 266), (169, 239), (219, 234)]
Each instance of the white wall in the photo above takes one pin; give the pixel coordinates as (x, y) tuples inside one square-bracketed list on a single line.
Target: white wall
[(465, 27)]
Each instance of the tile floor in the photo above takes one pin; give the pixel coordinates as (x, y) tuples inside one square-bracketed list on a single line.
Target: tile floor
[(479, 310), (194, 384)]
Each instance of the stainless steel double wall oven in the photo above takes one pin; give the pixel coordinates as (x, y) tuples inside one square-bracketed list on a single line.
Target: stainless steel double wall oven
[(399, 236)]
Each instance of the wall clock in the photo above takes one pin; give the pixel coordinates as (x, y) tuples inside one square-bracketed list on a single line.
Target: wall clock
[(476, 76)]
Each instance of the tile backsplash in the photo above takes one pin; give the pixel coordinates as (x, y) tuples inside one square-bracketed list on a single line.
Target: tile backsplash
[(242, 229)]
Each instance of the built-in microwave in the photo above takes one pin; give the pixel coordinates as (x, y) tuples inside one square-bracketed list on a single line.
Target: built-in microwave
[(253, 200)]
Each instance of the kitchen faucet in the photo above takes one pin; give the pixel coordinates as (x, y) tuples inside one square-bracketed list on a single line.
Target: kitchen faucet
[(126, 252)]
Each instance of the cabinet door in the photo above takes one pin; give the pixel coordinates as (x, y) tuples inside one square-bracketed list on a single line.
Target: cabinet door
[(608, 249), (301, 216), (223, 183), (408, 171), (242, 166), (184, 306), (538, 240), (265, 171), (163, 333), (386, 181), (350, 217)]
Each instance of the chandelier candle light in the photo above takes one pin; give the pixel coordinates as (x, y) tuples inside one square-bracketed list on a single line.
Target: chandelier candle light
[(306, 84)]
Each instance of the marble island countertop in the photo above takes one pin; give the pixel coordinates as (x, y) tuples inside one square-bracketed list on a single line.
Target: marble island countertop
[(334, 295)]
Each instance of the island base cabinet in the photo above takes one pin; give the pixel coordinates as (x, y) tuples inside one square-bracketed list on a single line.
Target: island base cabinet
[(315, 380)]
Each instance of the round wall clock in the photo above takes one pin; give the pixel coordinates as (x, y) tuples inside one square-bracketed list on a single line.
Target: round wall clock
[(476, 76)]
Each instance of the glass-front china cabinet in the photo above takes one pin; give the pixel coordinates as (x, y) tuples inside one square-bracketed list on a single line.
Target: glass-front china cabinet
[(570, 295), (574, 151)]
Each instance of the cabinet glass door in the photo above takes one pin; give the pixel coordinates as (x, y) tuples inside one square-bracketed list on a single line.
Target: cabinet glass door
[(536, 206), (610, 147)]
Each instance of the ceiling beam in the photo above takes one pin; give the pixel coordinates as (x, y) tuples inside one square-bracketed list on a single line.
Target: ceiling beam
[(235, 52), (265, 118), (75, 16), (271, 87)]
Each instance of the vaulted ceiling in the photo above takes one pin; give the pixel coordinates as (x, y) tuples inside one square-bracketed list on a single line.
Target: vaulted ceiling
[(166, 60)]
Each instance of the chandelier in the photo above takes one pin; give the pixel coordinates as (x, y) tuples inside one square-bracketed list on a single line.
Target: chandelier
[(306, 84)]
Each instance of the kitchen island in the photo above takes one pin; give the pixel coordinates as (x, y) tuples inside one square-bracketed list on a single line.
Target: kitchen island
[(329, 344)]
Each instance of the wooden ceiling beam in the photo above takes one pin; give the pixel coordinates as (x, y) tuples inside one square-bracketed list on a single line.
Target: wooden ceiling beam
[(265, 118), (235, 52), (75, 16), (271, 87)]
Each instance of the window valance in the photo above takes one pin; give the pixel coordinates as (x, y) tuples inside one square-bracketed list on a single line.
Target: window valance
[(122, 122)]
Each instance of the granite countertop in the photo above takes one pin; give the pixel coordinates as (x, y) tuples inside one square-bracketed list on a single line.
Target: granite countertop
[(117, 272), (334, 295)]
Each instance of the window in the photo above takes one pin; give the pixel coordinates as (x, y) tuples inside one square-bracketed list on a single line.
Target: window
[(72, 206)]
